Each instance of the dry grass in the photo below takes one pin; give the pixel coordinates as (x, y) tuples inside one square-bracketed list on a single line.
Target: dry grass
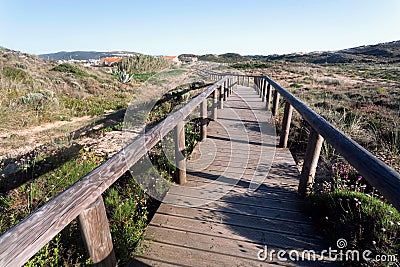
[(364, 106), (24, 77)]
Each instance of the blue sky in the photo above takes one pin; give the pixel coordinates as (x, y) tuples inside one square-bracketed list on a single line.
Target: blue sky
[(208, 26)]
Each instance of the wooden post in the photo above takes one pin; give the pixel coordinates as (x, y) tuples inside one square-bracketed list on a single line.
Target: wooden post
[(268, 97), (287, 118), (260, 82), (230, 87), (248, 81), (224, 91), (310, 163), (180, 152), (275, 104), (264, 87), (215, 103), (96, 234), (203, 113), (227, 88), (256, 84), (221, 97)]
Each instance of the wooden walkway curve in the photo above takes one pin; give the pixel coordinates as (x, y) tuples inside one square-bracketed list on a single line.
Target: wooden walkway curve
[(230, 231)]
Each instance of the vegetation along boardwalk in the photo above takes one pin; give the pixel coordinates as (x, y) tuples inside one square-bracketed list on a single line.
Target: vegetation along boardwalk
[(217, 218), (237, 202)]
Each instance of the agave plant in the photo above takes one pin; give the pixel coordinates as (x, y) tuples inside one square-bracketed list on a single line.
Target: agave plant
[(124, 77)]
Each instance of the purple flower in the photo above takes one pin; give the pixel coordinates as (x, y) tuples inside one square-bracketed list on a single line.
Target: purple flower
[(359, 178)]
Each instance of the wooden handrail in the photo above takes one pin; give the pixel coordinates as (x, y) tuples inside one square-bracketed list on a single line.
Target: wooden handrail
[(23, 240), (385, 179)]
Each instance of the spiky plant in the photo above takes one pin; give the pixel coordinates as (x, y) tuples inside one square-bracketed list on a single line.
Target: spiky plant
[(124, 77)]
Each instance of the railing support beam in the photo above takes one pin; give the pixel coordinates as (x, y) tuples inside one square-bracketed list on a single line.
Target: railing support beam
[(287, 118), (215, 105), (310, 163), (180, 152), (221, 97), (225, 91), (264, 87), (268, 97), (203, 111), (275, 104), (96, 234)]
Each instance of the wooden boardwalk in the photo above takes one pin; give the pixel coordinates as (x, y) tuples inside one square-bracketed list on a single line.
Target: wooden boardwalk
[(217, 219)]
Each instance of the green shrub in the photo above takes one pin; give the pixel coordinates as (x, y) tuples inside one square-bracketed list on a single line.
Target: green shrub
[(92, 106), (251, 66), (68, 68), (126, 204), (142, 77), (41, 100), (295, 85), (17, 75), (20, 65), (142, 64), (364, 221)]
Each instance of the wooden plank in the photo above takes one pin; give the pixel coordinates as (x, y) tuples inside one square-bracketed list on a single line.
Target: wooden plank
[(198, 197), (237, 219), (182, 256), (220, 245), (140, 261), (265, 236), (253, 211)]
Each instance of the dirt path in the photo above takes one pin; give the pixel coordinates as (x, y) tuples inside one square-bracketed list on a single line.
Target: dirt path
[(47, 126), (20, 142), (23, 141)]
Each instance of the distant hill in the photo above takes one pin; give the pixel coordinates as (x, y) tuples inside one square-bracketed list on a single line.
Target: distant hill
[(227, 57), (84, 55), (379, 53)]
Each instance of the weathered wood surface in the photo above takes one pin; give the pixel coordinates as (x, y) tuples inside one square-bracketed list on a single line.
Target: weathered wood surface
[(23, 240), (95, 230), (310, 163), (180, 152), (385, 179), (287, 118), (231, 230)]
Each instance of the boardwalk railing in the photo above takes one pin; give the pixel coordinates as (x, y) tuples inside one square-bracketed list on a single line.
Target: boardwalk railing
[(376, 172), (83, 199)]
